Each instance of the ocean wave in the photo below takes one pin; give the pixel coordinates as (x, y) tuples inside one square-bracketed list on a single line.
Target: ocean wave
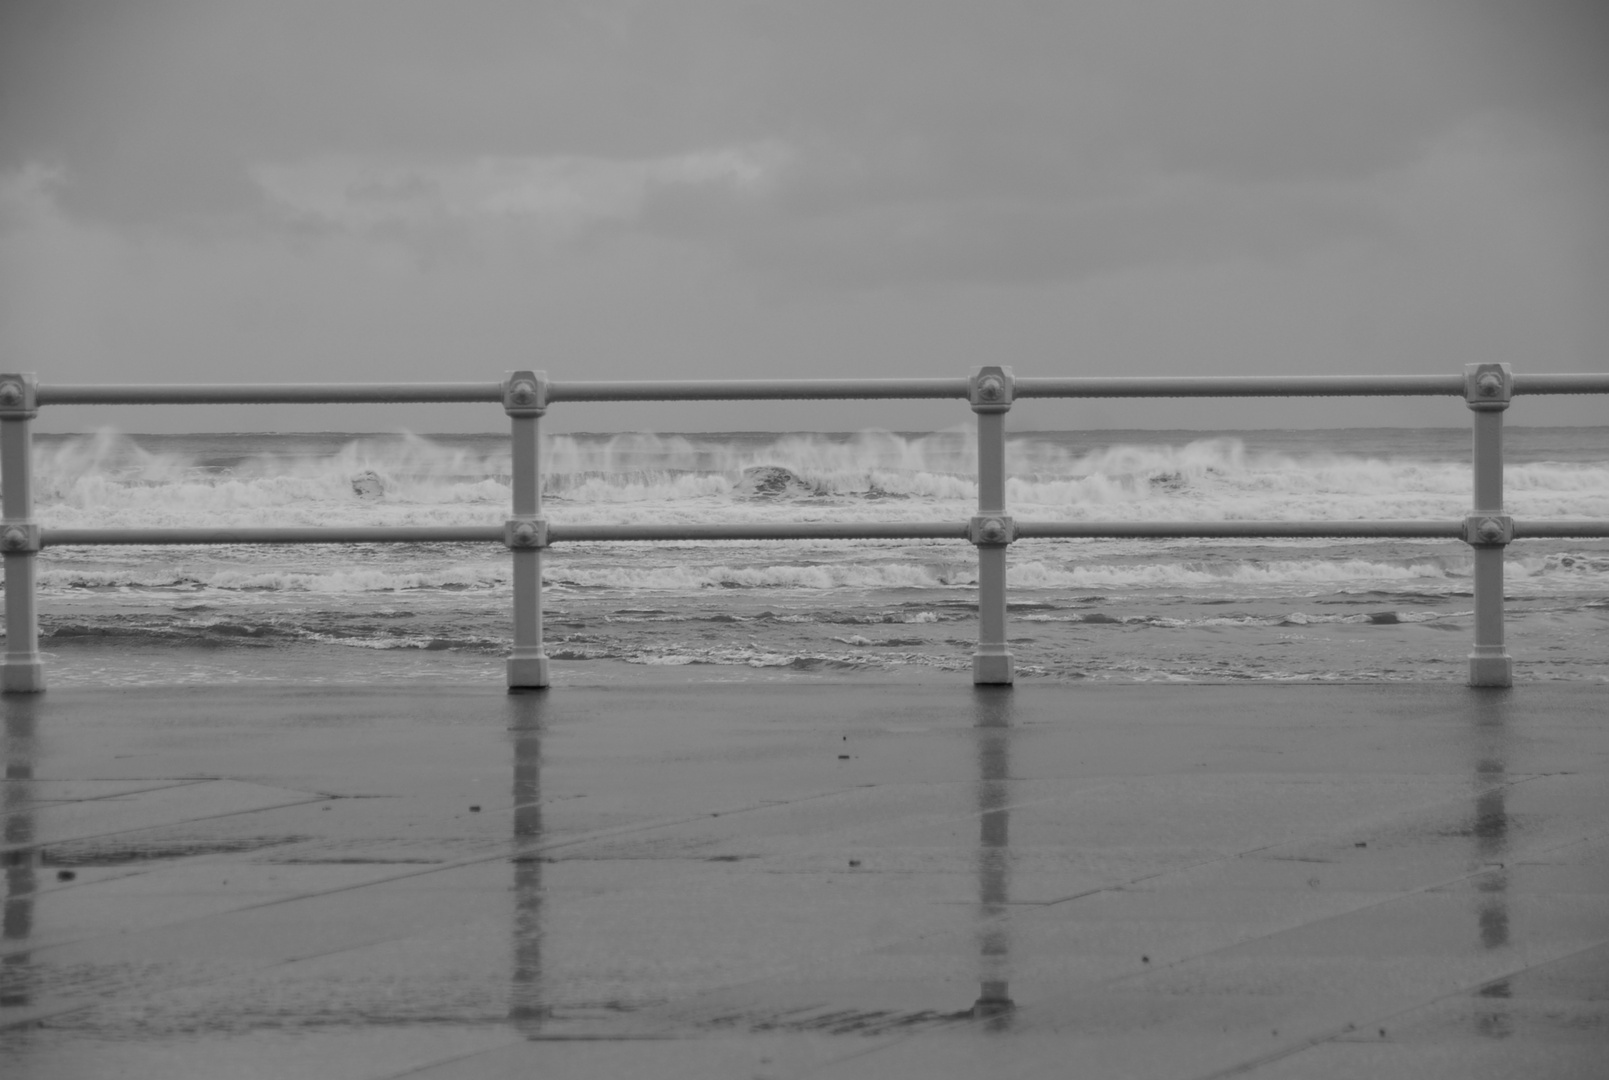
[(246, 631), (938, 570), (1292, 618), (334, 581), (108, 479), (1565, 562), (685, 578), (1250, 574)]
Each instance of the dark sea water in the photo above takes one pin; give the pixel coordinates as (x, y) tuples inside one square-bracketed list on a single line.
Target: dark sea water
[(1081, 609)]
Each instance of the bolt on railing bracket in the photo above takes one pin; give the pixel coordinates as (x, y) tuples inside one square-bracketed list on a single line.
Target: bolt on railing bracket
[(992, 530), (525, 533), (990, 389), (18, 536), (525, 393), (1488, 386), (19, 396), (1488, 530)]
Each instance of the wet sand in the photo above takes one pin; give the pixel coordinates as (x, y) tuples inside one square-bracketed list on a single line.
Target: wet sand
[(708, 873)]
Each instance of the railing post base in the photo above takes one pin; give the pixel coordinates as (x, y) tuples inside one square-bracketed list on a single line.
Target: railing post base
[(991, 1005), (22, 677), (1491, 669), (527, 672), (993, 668)]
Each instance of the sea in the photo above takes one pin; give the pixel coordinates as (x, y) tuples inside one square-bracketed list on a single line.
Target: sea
[(1102, 610)]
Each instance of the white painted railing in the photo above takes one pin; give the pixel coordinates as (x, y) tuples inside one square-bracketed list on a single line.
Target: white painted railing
[(990, 391)]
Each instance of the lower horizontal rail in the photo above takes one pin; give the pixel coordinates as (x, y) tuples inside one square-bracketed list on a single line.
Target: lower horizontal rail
[(812, 530), (1175, 530), (358, 534), (1401, 530), (816, 530), (1560, 530)]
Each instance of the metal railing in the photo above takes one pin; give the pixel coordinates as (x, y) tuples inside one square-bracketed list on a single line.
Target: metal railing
[(990, 391)]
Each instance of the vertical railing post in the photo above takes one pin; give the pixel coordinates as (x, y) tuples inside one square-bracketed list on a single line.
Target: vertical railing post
[(1488, 389), (525, 400), (21, 671), (992, 530)]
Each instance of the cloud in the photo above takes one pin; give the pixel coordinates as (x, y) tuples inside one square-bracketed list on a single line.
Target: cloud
[(555, 194), (910, 140), (722, 187), (1008, 241), (167, 106), (161, 110)]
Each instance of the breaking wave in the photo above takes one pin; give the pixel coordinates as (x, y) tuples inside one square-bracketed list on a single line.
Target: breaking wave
[(109, 479), (956, 571)]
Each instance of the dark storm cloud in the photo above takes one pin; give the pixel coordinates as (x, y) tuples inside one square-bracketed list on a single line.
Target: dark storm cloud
[(1547, 58), (160, 107), (1007, 241)]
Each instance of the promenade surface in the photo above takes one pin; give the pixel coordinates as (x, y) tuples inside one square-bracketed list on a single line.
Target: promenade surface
[(709, 876)]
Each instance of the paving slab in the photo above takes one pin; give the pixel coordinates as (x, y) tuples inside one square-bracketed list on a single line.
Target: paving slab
[(667, 875)]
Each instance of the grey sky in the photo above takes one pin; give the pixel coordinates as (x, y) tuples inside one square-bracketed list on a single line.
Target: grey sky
[(400, 190)]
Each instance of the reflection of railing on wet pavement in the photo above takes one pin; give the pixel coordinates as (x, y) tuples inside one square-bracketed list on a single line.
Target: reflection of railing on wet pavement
[(529, 991), (1486, 742), (529, 999), (527, 1003), (1489, 827), (990, 391), (993, 733), (19, 854)]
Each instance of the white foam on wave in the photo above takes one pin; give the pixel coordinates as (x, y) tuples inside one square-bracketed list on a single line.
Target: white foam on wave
[(334, 580), (1566, 573), (1293, 618), (1326, 572), (110, 480), (683, 578)]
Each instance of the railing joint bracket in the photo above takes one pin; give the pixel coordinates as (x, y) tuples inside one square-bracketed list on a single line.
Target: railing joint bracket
[(525, 393), (1488, 386), (524, 533), (991, 389), (19, 396), (18, 536), (992, 530), (1488, 530)]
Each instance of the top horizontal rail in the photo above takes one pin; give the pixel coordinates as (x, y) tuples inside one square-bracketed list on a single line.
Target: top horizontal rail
[(265, 393), (1244, 386), (756, 389), (1561, 384), (804, 389)]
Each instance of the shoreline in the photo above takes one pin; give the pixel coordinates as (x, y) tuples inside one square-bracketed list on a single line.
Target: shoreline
[(88, 667)]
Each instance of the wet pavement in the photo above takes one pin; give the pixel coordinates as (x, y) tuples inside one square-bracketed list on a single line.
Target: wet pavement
[(675, 876)]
